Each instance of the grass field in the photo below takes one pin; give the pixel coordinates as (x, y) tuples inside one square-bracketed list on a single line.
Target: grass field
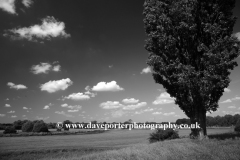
[(79, 145)]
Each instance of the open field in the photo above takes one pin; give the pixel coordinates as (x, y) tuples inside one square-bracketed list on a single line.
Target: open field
[(42, 146)]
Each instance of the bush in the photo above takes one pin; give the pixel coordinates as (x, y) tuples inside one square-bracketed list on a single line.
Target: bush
[(9, 130), (27, 127), (237, 127), (161, 135), (40, 127)]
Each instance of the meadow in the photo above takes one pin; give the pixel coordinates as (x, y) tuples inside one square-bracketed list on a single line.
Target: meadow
[(76, 146)]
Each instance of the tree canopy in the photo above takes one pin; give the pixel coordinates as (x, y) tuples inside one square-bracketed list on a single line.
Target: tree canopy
[(191, 51)]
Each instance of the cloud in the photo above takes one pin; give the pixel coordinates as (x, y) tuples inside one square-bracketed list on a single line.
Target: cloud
[(54, 86), (7, 99), (131, 100), (14, 116), (26, 108), (90, 94), (16, 86), (104, 86), (110, 105), (23, 115), (2, 115), (44, 68), (117, 114), (110, 66), (227, 90), (7, 105), (231, 107), (27, 3), (230, 100), (46, 107), (63, 113), (11, 112), (139, 112), (148, 110), (157, 113), (77, 96), (8, 6), (75, 108), (164, 98), (168, 114), (50, 28), (134, 106), (146, 70), (42, 118)]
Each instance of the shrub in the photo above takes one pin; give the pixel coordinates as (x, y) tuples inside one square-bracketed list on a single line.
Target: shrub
[(237, 127), (9, 130), (27, 127), (161, 135), (40, 127)]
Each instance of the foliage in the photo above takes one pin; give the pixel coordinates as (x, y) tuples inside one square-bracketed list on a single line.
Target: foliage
[(9, 129), (237, 127), (191, 51), (40, 127), (18, 124), (27, 127), (161, 135)]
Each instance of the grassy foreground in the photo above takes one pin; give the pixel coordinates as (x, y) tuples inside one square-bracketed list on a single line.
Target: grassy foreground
[(180, 149)]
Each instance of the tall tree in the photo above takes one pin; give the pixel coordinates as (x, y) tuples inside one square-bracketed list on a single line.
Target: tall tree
[(191, 52)]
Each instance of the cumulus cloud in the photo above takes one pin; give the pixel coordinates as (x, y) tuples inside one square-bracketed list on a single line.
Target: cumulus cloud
[(164, 98), (169, 114), (27, 3), (75, 108), (7, 105), (16, 86), (230, 100), (2, 115), (11, 112), (227, 90), (231, 107), (8, 6), (117, 114), (46, 107), (146, 70), (110, 105), (50, 28), (54, 86), (63, 113), (45, 68), (14, 116), (42, 118), (134, 106), (157, 113), (131, 100), (77, 96), (107, 86)]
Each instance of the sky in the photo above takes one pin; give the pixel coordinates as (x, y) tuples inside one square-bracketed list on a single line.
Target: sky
[(85, 60)]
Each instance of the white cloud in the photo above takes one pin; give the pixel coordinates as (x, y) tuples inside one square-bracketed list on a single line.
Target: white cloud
[(110, 105), (74, 110), (139, 112), (110, 66), (168, 114), (146, 70), (56, 68), (7, 105), (226, 101), (42, 118), (27, 3), (11, 112), (135, 106), (77, 96), (23, 115), (54, 86), (227, 90), (2, 115), (117, 114), (131, 100), (148, 110), (64, 105), (231, 107), (46, 107), (44, 68), (14, 116), (236, 98), (164, 98), (7, 99), (49, 28), (16, 86), (8, 6), (107, 86), (63, 113), (90, 94), (230, 100), (157, 113)]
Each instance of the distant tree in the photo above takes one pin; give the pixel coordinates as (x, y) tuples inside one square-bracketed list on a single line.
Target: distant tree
[(9, 129), (237, 127), (94, 122), (40, 126), (27, 127), (191, 52)]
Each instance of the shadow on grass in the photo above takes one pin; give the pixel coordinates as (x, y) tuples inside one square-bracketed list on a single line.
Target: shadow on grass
[(223, 136)]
